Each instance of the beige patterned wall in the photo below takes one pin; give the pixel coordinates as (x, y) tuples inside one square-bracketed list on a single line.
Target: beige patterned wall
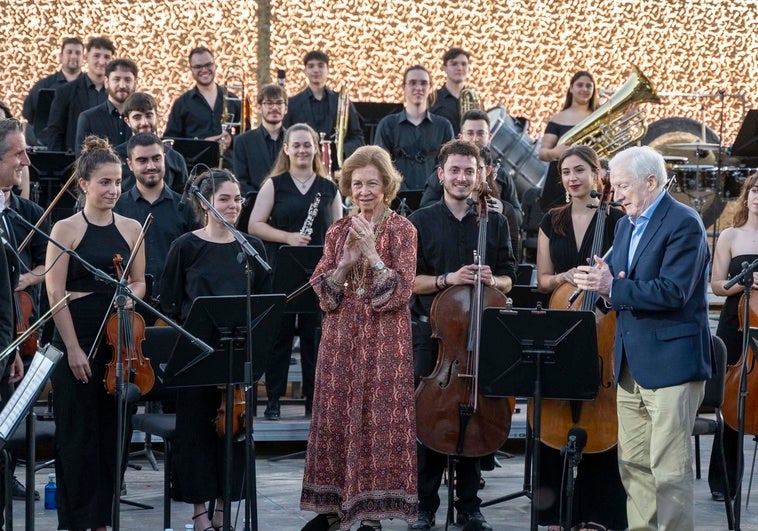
[(524, 51)]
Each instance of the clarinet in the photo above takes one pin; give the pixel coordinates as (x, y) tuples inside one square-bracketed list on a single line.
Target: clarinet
[(307, 228)]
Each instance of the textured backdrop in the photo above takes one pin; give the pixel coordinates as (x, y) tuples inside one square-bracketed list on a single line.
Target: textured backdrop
[(524, 52)]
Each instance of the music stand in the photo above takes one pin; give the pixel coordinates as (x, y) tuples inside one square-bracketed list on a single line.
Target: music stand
[(541, 354), (294, 267), (197, 151), (51, 169), (746, 142), (221, 323), (408, 199)]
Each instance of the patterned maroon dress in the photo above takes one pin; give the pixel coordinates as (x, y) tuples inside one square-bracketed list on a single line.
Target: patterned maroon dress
[(361, 458)]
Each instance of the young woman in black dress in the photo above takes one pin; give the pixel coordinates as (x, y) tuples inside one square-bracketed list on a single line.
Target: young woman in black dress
[(85, 415), (278, 216), (200, 263)]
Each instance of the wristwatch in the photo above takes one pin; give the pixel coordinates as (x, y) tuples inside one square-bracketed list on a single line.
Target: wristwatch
[(379, 266)]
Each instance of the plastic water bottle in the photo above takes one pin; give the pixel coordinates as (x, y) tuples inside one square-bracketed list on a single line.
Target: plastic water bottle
[(50, 490), (189, 527)]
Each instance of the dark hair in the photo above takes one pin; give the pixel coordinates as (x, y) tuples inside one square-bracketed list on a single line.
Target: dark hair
[(139, 101), (485, 154), (96, 151), (6, 110), (121, 64), (379, 159), (458, 147), (282, 162), (71, 40), (740, 216), (452, 53), (208, 183), (475, 114), (198, 50), (271, 91), (560, 216), (412, 68), (316, 55), (100, 42), (8, 126), (594, 100), (142, 139)]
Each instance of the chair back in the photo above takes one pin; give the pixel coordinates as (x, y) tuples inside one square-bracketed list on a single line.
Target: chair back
[(714, 387)]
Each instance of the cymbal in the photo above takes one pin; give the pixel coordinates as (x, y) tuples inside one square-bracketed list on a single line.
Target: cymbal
[(694, 146)]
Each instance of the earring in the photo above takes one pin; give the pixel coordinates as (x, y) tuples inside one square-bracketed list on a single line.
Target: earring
[(568, 197)]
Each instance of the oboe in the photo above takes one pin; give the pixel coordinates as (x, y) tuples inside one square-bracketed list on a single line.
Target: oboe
[(307, 228)]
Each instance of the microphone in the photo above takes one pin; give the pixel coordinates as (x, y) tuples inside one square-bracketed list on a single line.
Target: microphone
[(187, 187), (577, 440)]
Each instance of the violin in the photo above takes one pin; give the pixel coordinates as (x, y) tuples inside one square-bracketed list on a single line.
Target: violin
[(24, 307), (597, 417), (135, 367), (455, 418), (238, 415), (734, 373)]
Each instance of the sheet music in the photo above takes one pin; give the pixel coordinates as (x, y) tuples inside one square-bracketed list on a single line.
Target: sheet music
[(27, 390)]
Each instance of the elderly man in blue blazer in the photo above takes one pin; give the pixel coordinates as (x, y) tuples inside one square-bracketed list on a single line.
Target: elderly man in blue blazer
[(656, 280)]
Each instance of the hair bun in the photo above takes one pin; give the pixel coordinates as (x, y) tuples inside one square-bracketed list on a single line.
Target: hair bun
[(95, 143)]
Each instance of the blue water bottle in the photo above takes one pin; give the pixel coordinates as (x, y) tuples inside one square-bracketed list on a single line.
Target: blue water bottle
[(50, 490)]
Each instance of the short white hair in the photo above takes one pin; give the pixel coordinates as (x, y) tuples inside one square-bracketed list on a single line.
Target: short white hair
[(641, 161)]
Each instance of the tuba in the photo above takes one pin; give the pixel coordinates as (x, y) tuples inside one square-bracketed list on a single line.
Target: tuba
[(469, 99), (343, 114), (617, 123)]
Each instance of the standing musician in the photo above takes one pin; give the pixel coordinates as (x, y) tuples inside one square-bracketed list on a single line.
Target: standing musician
[(455, 63), (277, 218), (199, 112), (201, 263), (736, 244), (360, 465), (447, 239), (85, 415), (317, 106), (413, 136), (656, 279), (581, 100), (564, 242), (256, 151)]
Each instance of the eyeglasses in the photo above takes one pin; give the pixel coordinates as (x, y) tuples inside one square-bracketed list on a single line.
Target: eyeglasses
[(277, 103), (206, 66)]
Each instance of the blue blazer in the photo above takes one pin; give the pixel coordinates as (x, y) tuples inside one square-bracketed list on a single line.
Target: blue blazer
[(662, 304)]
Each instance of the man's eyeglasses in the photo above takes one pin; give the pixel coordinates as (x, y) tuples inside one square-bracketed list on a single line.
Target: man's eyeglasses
[(198, 68), (277, 103)]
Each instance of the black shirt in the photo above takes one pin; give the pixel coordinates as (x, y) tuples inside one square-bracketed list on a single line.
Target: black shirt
[(413, 148), (168, 224), (446, 244), (192, 117), (448, 106), (33, 254), (29, 111)]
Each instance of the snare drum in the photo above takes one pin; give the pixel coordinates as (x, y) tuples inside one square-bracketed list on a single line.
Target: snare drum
[(695, 178), (734, 178)]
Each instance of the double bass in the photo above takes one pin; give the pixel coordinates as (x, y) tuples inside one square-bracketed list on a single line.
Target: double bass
[(456, 418), (597, 417)]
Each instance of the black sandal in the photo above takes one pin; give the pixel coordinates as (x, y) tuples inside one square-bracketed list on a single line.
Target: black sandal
[(365, 526), (198, 515), (322, 523)]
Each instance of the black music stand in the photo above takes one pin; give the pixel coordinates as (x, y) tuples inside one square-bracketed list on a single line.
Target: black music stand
[(197, 151), (407, 201), (221, 323), (51, 169), (294, 267), (538, 354), (42, 112)]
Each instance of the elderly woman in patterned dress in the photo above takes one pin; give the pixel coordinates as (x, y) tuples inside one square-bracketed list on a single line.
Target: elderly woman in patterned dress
[(361, 459)]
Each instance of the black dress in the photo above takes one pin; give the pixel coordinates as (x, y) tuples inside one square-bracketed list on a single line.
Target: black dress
[(196, 267), (288, 213), (599, 495), (85, 415), (729, 331), (553, 192)]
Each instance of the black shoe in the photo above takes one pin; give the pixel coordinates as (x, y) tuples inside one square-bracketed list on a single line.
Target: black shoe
[(272, 409), (717, 496), (19, 491), (425, 521), (321, 523), (473, 521)]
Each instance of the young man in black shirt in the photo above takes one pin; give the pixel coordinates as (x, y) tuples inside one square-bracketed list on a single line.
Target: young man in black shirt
[(455, 63), (447, 238)]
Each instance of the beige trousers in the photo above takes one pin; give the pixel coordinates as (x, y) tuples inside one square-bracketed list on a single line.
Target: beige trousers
[(655, 452)]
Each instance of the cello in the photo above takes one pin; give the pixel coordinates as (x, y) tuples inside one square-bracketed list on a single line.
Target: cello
[(457, 419), (597, 417), (730, 406)]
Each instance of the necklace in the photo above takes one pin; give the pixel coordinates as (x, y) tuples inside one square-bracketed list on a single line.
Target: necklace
[(359, 271), (304, 183)]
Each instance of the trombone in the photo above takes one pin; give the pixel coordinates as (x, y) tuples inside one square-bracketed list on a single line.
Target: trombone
[(234, 82)]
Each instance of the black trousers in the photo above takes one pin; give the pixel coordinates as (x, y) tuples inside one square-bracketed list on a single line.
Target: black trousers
[(279, 362)]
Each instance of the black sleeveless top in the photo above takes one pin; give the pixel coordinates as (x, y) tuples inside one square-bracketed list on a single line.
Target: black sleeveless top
[(97, 247)]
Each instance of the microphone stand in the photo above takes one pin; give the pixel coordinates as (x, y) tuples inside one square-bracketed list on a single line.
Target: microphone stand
[(251, 506), (122, 292), (746, 279)]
